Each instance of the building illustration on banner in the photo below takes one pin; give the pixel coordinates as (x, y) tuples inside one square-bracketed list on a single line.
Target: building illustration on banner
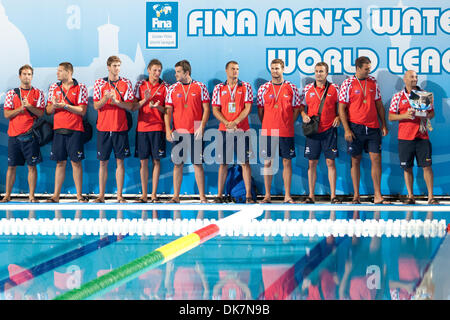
[(18, 54)]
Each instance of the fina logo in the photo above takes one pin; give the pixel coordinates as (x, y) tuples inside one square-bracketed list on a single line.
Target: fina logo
[(165, 11)]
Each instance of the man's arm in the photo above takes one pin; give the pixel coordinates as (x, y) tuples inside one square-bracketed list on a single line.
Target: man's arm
[(348, 134), (167, 121), (206, 112), (382, 115)]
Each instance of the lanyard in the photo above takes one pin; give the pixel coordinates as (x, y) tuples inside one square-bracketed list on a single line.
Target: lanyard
[(112, 84), (148, 88), (20, 93), (186, 93), (232, 93), (317, 94), (277, 95), (365, 88)]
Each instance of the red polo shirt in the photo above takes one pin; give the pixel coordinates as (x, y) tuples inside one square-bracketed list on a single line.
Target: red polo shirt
[(112, 117), (151, 119), (23, 122), (311, 97), (187, 102), (407, 129), (240, 94), (278, 113), (78, 96), (354, 93)]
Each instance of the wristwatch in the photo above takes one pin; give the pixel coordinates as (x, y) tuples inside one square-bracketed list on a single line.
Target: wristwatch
[(66, 107)]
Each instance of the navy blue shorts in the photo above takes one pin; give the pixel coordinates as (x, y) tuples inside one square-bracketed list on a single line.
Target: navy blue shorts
[(150, 144), (184, 144), (235, 146), (366, 139), (325, 141), (23, 149), (67, 146), (109, 141), (286, 147), (410, 149)]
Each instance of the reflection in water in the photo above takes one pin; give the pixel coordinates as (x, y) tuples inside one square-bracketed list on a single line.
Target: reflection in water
[(233, 268)]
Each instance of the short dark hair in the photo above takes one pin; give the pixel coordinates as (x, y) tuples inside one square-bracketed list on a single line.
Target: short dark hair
[(322, 64), (230, 62), (67, 66), (278, 61), (154, 62), (362, 61), (185, 65), (27, 66)]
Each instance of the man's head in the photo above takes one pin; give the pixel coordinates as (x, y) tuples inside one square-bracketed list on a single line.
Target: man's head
[(113, 63), (182, 70), (64, 71), (321, 71), (232, 70), (410, 79), (154, 69), (277, 69), (363, 66), (26, 74)]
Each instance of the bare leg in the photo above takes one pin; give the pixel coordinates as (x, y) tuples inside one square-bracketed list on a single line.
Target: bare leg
[(332, 176), (221, 178), (356, 175), (60, 175), (102, 177), (144, 178), (32, 179), (200, 179), (120, 176), (247, 175), (10, 179), (177, 180), (312, 177), (77, 173), (267, 179), (409, 181), (287, 178), (155, 177), (428, 177)]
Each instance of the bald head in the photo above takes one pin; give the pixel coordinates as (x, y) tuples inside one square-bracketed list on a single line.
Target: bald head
[(410, 80)]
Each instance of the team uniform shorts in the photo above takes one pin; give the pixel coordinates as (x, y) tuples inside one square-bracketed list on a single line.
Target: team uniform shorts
[(150, 144), (420, 149), (24, 148), (235, 147), (366, 139), (112, 141), (185, 144), (325, 142), (68, 146), (269, 145)]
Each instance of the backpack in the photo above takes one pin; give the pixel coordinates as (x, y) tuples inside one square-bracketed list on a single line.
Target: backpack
[(235, 186), (42, 128)]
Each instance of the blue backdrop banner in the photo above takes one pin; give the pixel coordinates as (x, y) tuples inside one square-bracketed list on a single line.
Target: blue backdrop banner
[(396, 36)]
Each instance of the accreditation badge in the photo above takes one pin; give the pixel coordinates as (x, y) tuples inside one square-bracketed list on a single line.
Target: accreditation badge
[(231, 107)]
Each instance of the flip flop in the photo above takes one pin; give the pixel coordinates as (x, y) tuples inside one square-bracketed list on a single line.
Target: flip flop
[(51, 200), (156, 200), (218, 200), (308, 200), (34, 200), (5, 200), (356, 201), (382, 202), (173, 200), (433, 201), (249, 200), (335, 200), (291, 201), (83, 200), (99, 200), (409, 201), (140, 200), (121, 200), (265, 201), (204, 201)]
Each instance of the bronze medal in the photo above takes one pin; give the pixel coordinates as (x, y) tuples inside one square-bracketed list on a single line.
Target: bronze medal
[(186, 105), (276, 106)]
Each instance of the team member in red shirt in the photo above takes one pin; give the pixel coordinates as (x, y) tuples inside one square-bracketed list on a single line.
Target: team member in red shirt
[(326, 138), (232, 103), (113, 96), (278, 108), (67, 101), (413, 139), (21, 109), (187, 104), (150, 98), (361, 111)]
